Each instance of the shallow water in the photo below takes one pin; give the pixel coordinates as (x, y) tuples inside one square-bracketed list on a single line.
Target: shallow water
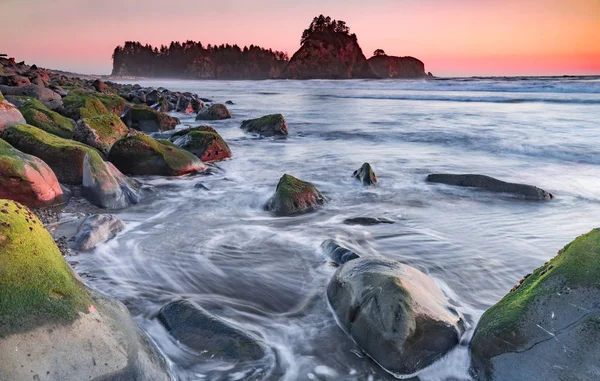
[(220, 249)]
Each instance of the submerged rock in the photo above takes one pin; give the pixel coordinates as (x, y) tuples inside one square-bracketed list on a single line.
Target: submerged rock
[(106, 187), (9, 115), (208, 335), (338, 253), (38, 115), (27, 179), (100, 132), (97, 229), (208, 146), (395, 313), (366, 221), (365, 174), (139, 154), (52, 326), (214, 112), (270, 125), (491, 184), (548, 327), (294, 196)]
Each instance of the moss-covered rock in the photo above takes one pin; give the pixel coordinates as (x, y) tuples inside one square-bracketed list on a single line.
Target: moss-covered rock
[(186, 131), (269, 125), (208, 146), (65, 157), (365, 175), (9, 115), (48, 97), (214, 112), (145, 119), (547, 327), (36, 284), (101, 131), (27, 179), (79, 105), (139, 154), (38, 115), (294, 196)]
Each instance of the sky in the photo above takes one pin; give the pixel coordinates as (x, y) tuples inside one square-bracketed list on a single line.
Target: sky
[(452, 37)]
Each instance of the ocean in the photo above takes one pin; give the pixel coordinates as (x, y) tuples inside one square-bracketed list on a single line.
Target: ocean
[(220, 249)]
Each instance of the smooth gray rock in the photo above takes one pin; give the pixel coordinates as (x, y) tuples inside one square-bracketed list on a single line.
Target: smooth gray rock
[(269, 125), (96, 229), (490, 184), (365, 174), (395, 313), (366, 221), (48, 97), (214, 112), (338, 253)]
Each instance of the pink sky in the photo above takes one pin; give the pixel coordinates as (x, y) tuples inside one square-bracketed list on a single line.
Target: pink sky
[(452, 37)]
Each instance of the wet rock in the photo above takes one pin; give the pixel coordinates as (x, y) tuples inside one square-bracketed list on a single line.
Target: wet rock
[(174, 136), (65, 157), (229, 103), (106, 187), (366, 221), (338, 253), (79, 105), (27, 179), (208, 335), (208, 146), (48, 97), (9, 115), (199, 185), (214, 112), (53, 326), (145, 119), (294, 196), (38, 115), (269, 125), (395, 313), (153, 97), (97, 229), (491, 184), (99, 86), (139, 154), (548, 327), (365, 174), (100, 132)]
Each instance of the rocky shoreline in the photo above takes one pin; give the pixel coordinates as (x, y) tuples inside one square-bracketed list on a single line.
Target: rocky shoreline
[(72, 150)]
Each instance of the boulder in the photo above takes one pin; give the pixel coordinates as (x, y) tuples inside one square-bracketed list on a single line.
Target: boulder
[(365, 175), (48, 97), (105, 186), (153, 97), (14, 80), (270, 125), (491, 184), (294, 196), (214, 112), (97, 229), (548, 326), (184, 104), (139, 154), (52, 326), (27, 179), (65, 157), (100, 86), (79, 105), (338, 253), (100, 132), (208, 146), (38, 115), (395, 313), (208, 335), (9, 115), (145, 119), (174, 136)]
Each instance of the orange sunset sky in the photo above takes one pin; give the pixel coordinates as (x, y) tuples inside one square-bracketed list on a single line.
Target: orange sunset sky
[(452, 37)]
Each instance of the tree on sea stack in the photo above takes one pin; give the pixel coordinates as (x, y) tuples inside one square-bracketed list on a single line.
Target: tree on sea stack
[(378, 52)]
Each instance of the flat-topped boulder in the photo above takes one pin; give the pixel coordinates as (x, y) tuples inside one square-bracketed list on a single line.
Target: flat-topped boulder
[(40, 116), (206, 145), (27, 179), (294, 196), (101, 131), (79, 105), (269, 125), (548, 326), (52, 326), (9, 115), (139, 154), (216, 111), (491, 184), (65, 157)]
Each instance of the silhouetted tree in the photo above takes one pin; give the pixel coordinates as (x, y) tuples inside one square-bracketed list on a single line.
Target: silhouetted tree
[(379, 52), (322, 24)]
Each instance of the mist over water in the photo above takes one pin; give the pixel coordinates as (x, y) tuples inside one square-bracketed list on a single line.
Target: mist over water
[(220, 249)]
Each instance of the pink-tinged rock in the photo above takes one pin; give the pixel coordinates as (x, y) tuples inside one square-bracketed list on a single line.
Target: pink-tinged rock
[(9, 115)]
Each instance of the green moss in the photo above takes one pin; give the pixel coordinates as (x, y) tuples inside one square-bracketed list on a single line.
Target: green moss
[(1, 97), (38, 115), (79, 105), (107, 126), (28, 132), (576, 265), (4, 146), (267, 120), (289, 185), (36, 284), (188, 130), (167, 143)]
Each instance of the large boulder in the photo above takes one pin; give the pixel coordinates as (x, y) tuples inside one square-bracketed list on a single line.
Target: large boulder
[(548, 327), (97, 229), (65, 157), (9, 115), (269, 125), (395, 313), (79, 105), (208, 146), (139, 154), (40, 116), (52, 326), (27, 179), (208, 335), (145, 119), (216, 111), (338, 253), (48, 97), (14, 80), (294, 196), (100, 132), (365, 175), (491, 184), (105, 186)]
